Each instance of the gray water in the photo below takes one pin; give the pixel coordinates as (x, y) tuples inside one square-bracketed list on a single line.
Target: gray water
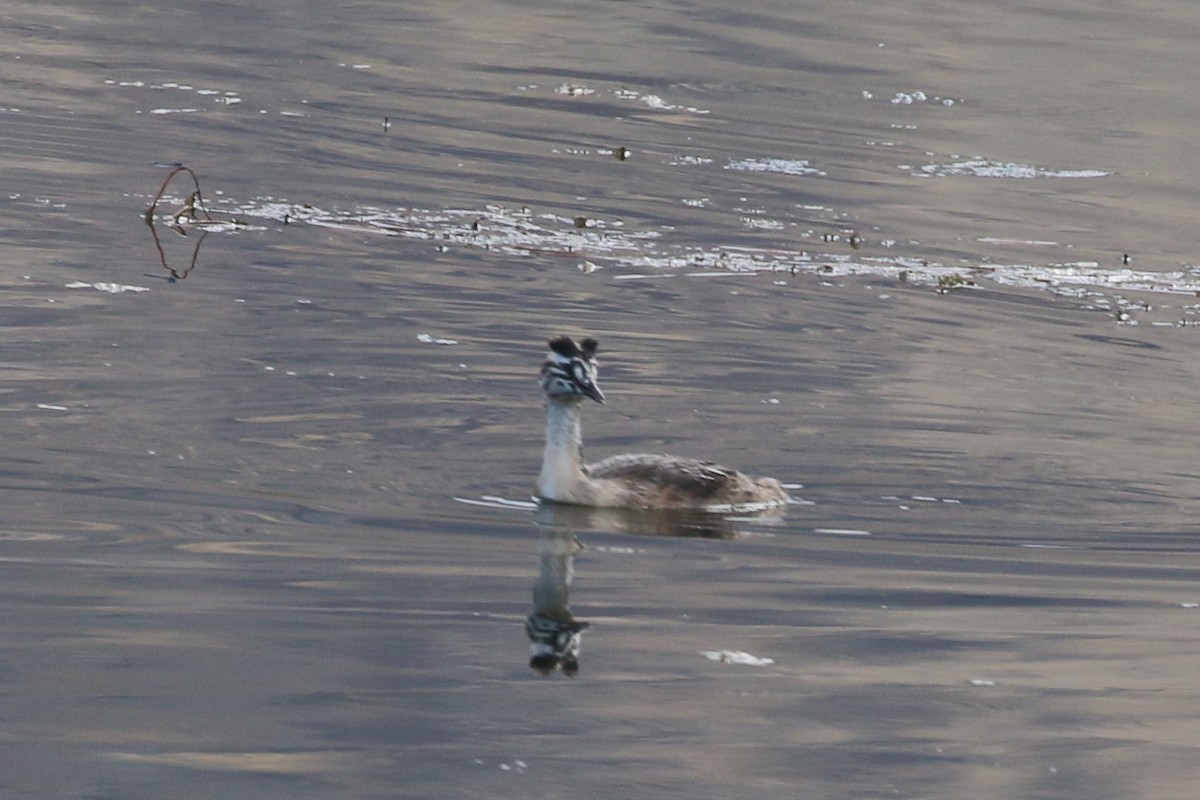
[(265, 527)]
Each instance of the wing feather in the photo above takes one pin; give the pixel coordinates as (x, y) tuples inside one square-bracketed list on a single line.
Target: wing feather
[(669, 480)]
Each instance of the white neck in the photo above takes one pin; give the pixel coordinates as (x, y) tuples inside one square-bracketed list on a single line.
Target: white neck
[(562, 477)]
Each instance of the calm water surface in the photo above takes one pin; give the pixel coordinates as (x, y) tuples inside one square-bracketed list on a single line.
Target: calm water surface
[(264, 527)]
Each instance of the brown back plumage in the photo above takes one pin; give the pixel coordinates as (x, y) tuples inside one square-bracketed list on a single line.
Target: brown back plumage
[(662, 481)]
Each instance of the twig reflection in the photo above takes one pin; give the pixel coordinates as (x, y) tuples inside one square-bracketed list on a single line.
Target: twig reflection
[(172, 273)]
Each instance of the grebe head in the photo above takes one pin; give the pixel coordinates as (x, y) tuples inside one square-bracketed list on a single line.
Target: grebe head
[(569, 373)]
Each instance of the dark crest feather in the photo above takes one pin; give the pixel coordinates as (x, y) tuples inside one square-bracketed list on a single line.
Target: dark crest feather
[(565, 346)]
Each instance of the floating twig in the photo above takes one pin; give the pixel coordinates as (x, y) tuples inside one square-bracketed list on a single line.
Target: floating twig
[(195, 199), (192, 211)]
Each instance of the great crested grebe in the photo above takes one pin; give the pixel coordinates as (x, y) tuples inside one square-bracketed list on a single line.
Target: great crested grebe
[(629, 481)]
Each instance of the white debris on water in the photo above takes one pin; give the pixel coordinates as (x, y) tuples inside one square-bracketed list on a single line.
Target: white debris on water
[(492, 501), (573, 89), (510, 231), (425, 338), (1026, 242), (736, 657), (982, 168), (785, 166), (620, 551), (656, 102), (111, 288), (914, 97), (626, 253), (762, 224)]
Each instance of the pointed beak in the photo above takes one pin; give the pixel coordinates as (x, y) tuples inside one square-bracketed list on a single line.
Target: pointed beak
[(593, 391)]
